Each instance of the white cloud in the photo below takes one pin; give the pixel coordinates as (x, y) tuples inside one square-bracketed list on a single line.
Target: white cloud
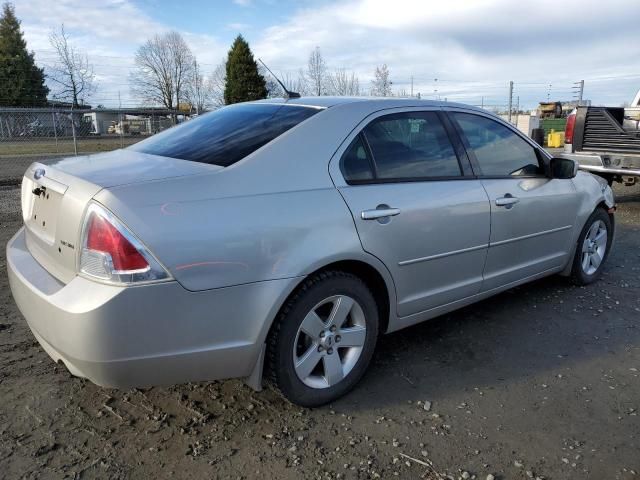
[(238, 27), (488, 42), (473, 47), (109, 31), (97, 21)]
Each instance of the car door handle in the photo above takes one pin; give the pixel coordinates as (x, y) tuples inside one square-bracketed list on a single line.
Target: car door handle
[(507, 201), (379, 213)]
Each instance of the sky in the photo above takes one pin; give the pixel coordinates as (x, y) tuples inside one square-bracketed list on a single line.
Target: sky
[(461, 50)]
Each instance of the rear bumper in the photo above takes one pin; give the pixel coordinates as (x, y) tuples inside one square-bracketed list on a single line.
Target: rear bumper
[(611, 163), (148, 335), (613, 171)]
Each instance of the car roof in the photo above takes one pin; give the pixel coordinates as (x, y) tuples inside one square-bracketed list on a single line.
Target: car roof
[(383, 102)]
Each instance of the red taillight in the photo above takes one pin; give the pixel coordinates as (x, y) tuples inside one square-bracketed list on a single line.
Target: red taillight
[(568, 131), (103, 237)]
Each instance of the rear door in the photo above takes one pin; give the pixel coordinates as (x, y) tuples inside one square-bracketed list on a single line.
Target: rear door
[(416, 207), (532, 215)]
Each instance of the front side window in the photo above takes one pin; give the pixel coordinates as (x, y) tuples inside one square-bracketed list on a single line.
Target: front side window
[(500, 152), (413, 145), (227, 135)]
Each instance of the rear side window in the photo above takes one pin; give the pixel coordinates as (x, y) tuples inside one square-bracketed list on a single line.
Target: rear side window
[(499, 151), (227, 135), (356, 163), (411, 146)]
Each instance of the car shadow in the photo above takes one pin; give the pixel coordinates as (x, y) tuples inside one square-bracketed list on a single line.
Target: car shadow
[(523, 332)]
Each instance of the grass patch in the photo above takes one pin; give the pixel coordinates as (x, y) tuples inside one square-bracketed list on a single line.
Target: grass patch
[(85, 145)]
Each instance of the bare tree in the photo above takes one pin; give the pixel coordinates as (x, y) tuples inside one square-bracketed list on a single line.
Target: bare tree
[(342, 83), (316, 72), (292, 83), (381, 85), (204, 93), (273, 87), (163, 69), (297, 84), (215, 86), (197, 92), (71, 73)]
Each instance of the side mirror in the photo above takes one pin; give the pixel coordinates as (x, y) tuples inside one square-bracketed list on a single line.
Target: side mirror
[(563, 168)]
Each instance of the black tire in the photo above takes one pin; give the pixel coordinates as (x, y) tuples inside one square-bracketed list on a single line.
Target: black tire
[(609, 178), (284, 334), (578, 274)]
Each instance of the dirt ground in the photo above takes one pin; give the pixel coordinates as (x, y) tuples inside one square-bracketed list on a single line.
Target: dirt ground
[(542, 381)]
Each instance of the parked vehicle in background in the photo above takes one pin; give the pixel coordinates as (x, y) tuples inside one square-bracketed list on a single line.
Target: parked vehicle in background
[(291, 233), (550, 109), (127, 127), (606, 141)]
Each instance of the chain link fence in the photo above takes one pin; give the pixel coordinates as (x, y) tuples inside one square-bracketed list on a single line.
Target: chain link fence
[(36, 134), (40, 134)]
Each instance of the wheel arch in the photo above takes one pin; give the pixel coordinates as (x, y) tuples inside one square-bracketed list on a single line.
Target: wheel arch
[(602, 204), (373, 279), (370, 270)]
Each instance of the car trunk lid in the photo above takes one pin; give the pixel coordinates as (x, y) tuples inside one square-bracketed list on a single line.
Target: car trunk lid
[(55, 197), (122, 167)]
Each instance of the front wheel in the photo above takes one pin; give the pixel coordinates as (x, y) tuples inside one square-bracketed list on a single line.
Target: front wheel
[(593, 248), (323, 339)]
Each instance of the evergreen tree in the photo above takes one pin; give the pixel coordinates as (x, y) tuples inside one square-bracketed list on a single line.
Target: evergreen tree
[(244, 82), (21, 81)]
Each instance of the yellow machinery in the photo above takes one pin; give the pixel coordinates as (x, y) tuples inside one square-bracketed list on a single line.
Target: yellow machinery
[(555, 139)]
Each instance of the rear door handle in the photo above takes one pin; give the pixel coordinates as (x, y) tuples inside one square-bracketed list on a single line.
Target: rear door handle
[(507, 201), (379, 213)]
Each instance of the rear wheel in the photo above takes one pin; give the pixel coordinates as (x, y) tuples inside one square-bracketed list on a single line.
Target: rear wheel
[(593, 248), (323, 339)]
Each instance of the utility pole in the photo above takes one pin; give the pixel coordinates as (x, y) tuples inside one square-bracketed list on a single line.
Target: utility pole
[(510, 99), (197, 85), (121, 121), (579, 86), (411, 86), (73, 132)]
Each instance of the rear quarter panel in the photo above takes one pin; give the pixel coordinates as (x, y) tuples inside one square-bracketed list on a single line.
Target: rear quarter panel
[(215, 243), (273, 215)]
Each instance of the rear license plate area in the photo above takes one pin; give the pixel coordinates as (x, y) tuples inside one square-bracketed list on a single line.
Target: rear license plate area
[(44, 207)]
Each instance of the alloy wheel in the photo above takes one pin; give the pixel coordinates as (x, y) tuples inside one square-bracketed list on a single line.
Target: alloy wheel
[(594, 247), (329, 341)]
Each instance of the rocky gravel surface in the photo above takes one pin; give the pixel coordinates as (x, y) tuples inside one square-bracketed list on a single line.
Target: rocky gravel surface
[(540, 382), (12, 167)]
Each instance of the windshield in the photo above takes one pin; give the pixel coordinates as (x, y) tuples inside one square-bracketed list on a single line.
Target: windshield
[(226, 135)]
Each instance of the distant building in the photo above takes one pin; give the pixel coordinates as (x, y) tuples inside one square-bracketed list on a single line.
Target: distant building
[(130, 121)]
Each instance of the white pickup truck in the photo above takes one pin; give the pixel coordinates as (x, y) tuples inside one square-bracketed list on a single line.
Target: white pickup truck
[(606, 141)]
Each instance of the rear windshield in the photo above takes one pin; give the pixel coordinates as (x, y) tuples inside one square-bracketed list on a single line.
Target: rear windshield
[(227, 135)]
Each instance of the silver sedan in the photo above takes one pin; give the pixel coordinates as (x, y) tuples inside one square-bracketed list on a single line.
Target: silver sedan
[(280, 238)]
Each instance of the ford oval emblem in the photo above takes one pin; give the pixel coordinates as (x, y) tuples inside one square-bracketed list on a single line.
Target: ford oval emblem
[(39, 173)]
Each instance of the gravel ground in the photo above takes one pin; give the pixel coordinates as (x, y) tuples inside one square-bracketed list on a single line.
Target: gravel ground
[(539, 382), (12, 168)]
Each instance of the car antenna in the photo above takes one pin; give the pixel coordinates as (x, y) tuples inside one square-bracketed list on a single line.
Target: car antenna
[(287, 94)]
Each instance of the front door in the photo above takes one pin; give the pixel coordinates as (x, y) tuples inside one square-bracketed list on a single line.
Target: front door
[(415, 210), (532, 215)]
